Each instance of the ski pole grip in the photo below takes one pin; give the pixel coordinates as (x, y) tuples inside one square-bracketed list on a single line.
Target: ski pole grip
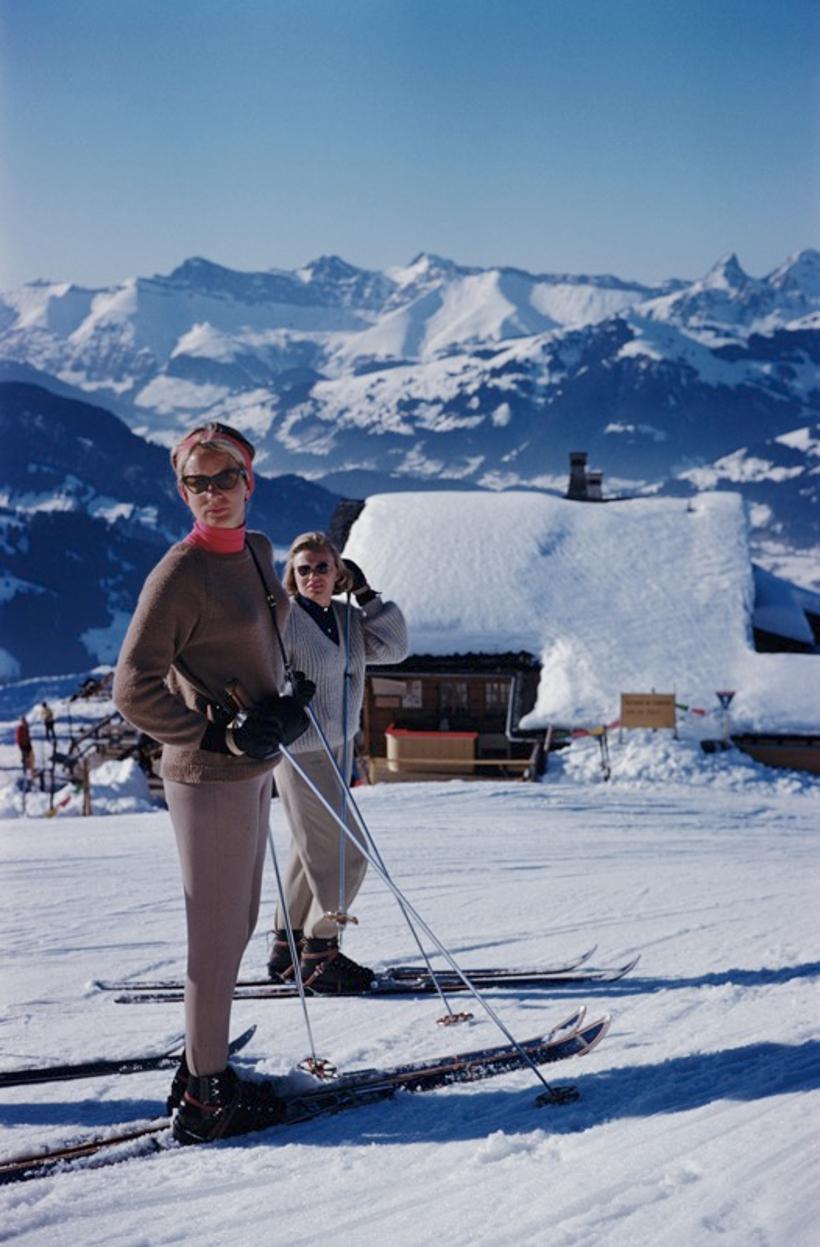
[(238, 695)]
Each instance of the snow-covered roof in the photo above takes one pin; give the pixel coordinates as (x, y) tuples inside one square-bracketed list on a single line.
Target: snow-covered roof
[(780, 609), (617, 597)]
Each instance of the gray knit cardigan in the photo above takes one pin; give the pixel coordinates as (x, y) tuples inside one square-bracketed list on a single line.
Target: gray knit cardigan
[(378, 635)]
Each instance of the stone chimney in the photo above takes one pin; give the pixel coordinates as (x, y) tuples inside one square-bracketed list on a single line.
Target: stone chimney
[(577, 488)]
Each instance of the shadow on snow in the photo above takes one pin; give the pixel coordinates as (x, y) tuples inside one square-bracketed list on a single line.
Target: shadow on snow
[(635, 986), (749, 1073)]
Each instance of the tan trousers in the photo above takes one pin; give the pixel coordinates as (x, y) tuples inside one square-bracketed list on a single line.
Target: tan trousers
[(221, 831), (311, 878)]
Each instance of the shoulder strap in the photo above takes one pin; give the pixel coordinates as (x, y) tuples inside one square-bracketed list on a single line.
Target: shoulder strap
[(270, 598)]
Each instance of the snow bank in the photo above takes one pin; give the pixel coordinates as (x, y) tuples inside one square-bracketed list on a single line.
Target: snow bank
[(624, 597), (116, 788), (653, 760)]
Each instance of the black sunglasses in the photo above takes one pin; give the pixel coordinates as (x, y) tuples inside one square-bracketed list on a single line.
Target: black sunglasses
[(304, 569), (224, 481)]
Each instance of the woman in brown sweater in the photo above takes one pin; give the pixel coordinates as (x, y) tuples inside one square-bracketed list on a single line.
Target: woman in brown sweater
[(200, 647)]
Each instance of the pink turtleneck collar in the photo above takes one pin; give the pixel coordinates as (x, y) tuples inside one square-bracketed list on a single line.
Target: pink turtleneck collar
[(217, 540)]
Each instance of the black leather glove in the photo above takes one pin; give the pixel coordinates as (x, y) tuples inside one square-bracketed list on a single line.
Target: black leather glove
[(253, 734), (360, 588), (359, 578), (258, 732), (302, 689)]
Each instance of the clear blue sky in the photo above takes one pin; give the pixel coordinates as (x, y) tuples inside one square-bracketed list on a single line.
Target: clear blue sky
[(639, 137)]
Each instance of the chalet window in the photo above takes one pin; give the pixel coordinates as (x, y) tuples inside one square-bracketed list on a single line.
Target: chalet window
[(412, 698), (453, 697), (496, 696)]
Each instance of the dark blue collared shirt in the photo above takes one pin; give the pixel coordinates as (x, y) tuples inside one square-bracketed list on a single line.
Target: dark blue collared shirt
[(323, 616)]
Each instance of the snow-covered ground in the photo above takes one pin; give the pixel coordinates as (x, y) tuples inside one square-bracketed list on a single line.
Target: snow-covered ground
[(699, 1113)]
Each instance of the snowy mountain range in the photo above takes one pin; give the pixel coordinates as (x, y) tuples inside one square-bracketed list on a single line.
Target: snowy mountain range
[(438, 375), (487, 375), (435, 370)]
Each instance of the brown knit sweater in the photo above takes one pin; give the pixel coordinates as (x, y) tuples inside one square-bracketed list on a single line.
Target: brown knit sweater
[(201, 621)]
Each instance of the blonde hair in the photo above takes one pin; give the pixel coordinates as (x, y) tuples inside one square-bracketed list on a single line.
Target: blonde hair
[(317, 543)]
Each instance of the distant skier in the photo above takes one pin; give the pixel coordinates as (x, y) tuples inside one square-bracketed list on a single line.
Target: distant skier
[(22, 736), (48, 721)]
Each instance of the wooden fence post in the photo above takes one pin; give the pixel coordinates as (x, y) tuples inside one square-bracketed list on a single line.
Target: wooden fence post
[(86, 789)]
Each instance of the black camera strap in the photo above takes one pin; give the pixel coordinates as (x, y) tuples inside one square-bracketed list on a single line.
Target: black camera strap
[(270, 598)]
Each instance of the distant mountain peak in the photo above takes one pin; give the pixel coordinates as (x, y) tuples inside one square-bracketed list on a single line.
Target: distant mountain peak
[(428, 262), (799, 273), (432, 258), (726, 274), (328, 267), (195, 267)]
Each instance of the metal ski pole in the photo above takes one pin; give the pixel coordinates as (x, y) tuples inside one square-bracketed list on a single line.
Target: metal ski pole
[(555, 1095), (451, 1018), (314, 1065), (342, 911)]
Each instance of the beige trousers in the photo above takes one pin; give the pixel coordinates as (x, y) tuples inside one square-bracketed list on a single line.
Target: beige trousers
[(221, 831), (311, 878)]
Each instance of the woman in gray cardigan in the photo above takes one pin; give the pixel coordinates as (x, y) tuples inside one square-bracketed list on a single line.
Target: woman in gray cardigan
[(331, 643)]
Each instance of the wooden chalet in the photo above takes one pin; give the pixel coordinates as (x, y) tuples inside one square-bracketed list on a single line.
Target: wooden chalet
[(455, 706), (436, 716)]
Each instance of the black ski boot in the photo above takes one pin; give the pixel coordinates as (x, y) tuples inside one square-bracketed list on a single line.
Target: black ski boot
[(280, 963), (325, 969), (216, 1106), (178, 1087)]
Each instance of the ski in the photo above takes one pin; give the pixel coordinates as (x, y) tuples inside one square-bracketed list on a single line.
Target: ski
[(100, 1068), (566, 967), (504, 977), (484, 976), (392, 971), (573, 1038), (388, 985)]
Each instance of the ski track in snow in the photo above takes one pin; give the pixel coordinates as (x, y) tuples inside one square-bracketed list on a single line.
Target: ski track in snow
[(698, 1114)]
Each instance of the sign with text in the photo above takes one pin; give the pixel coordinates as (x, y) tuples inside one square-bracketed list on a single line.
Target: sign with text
[(648, 710), (404, 693)]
